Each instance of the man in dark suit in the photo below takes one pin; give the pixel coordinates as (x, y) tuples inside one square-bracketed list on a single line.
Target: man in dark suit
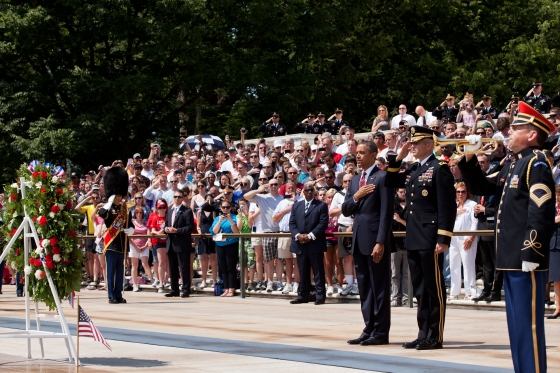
[(371, 203), (178, 227), (308, 222), (431, 206)]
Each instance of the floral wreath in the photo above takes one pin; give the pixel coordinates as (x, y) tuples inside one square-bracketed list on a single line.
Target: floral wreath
[(49, 203)]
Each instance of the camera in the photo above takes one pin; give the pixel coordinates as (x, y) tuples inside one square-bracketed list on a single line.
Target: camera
[(243, 130), (515, 101)]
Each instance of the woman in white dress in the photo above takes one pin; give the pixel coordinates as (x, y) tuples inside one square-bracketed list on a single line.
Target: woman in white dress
[(463, 248)]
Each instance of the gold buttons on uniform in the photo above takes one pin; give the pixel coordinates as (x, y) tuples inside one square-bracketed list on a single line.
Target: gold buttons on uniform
[(411, 213), (433, 221), (411, 203), (412, 194)]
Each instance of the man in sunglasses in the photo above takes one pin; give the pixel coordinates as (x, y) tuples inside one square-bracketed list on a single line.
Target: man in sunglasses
[(293, 175), (310, 125), (484, 108), (272, 126), (447, 110)]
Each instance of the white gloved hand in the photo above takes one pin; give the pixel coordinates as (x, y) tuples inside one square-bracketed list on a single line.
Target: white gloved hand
[(473, 139), (528, 266), (109, 203), (128, 231)]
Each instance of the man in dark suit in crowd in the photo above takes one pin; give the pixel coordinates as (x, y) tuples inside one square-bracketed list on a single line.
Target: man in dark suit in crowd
[(431, 206), (178, 227), (371, 203), (308, 222)]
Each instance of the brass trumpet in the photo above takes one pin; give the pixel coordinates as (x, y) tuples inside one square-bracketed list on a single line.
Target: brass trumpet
[(463, 146)]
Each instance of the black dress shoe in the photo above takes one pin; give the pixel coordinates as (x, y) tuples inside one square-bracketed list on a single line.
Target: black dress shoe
[(548, 302), (121, 300), (493, 298), (319, 301), (299, 300), (359, 340), (481, 297), (374, 342), (553, 316), (185, 295), (427, 344), (113, 301), (412, 344), (172, 294)]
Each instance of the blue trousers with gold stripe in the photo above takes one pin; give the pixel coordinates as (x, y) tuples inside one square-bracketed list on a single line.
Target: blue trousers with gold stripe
[(525, 293)]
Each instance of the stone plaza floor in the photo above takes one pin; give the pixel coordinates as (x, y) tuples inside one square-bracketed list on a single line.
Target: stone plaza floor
[(203, 333)]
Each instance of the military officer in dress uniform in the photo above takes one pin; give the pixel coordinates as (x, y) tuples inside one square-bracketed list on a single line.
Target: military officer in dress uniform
[(430, 217), (513, 104), (537, 100), (447, 110), (309, 125), (484, 107), (335, 122), (272, 126), (524, 226)]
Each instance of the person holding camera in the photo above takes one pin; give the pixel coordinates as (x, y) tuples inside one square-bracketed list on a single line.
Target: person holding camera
[(537, 100), (227, 250), (467, 114), (485, 109), (272, 126)]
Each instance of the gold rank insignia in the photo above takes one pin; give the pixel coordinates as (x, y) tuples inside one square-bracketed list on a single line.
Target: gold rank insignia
[(540, 193)]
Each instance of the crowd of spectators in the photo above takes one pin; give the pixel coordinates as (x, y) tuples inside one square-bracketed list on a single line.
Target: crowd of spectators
[(252, 187)]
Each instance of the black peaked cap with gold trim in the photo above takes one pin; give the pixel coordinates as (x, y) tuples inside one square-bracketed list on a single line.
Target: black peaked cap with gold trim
[(418, 133), (527, 115)]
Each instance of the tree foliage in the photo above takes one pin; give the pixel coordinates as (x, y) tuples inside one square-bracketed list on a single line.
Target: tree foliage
[(90, 82)]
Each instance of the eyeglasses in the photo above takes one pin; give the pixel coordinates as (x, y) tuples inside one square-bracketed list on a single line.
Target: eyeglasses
[(381, 110), (263, 179), (139, 213), (310, 117), (226, 207), (174, 197), (162, 208), (436, 128), (460, 134), (94, 197), (273, 184), (261, 147), (173, 181), (245, 154), (292, 173), (402, 126), (480, 132), (329, 177), (461, 192), (279, 177), (402, 108), (448, 99), (553, 115), (254, 156), (137, 197), (202, 186), (226, 193), (309, 190), (245, 184), (346, 181)]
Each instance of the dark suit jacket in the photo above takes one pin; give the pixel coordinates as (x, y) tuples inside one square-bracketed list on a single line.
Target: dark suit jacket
[(315, 221), (184, 222), (373, 214)]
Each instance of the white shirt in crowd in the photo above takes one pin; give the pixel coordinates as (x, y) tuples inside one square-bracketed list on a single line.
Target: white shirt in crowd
[(397, 118)]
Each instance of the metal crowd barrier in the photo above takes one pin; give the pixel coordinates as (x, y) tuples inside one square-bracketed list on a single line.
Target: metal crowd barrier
[(244, 236)]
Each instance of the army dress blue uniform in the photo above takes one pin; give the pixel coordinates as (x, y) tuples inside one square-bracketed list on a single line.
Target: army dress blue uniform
[(524, 227), (430, 217), (272, 130), (541, 103)]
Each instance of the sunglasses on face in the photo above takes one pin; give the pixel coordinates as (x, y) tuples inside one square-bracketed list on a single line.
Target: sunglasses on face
[(175, 197), (226, 207), (481, 133), (292, 173), (263, 179), (329, 177), (309, 190), (448, 99), (461, 191), (173, 181), (254, 156), (460, 134), (137, 197), (162, 208)]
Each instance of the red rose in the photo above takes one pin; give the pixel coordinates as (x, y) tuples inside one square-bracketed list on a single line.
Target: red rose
[(71, 234), (13, 232), (34, 218), (51, 265), (32, 261), (44, 175), (13, 197), (54, 241), (59, 192), (34, 174), (69, 205), (65, 262), (55, 209), (37, 262), (55, 250), (43, 275), (42, 221), (43, 190), (17, 252)]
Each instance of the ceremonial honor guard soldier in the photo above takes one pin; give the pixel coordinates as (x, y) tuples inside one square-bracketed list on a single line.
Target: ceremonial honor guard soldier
[(309, 125), (514, 103), (537, 100), (448, 110), (431, 209), (484, 107), (115, 214), (272, 126), (524, 227), (335, 122)]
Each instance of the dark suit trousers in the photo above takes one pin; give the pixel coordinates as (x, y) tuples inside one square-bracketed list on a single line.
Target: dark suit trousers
[(429, 289), (227, 259), (493, 279), (179, 261), (306, 261), (374, 283)]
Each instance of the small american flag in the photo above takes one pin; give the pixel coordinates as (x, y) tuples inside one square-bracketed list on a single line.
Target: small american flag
[(87, 329)]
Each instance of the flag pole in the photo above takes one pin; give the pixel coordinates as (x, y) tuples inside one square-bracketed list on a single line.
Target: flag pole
[(78, 333)]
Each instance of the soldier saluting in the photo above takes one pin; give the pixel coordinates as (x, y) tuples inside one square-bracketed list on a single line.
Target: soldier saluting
[(537, 100), (272, 126), (524, 227), (310, 125), (447, 110), (335, 122)]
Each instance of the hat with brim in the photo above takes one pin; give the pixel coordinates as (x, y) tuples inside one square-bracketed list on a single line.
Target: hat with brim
[(486, 97), (450, 96), (338, 111), (527, 115), (418, 133), (278, 143)]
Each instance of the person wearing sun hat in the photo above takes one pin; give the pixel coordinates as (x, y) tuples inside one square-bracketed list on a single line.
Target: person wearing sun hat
[(524, 227)]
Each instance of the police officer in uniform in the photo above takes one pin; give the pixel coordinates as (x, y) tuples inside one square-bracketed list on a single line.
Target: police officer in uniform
[(335, 122), (309, 125), (524, 226), (537, 100), (484, 107), (448, 110), (430, 217), (272, 127), (115, 214)]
